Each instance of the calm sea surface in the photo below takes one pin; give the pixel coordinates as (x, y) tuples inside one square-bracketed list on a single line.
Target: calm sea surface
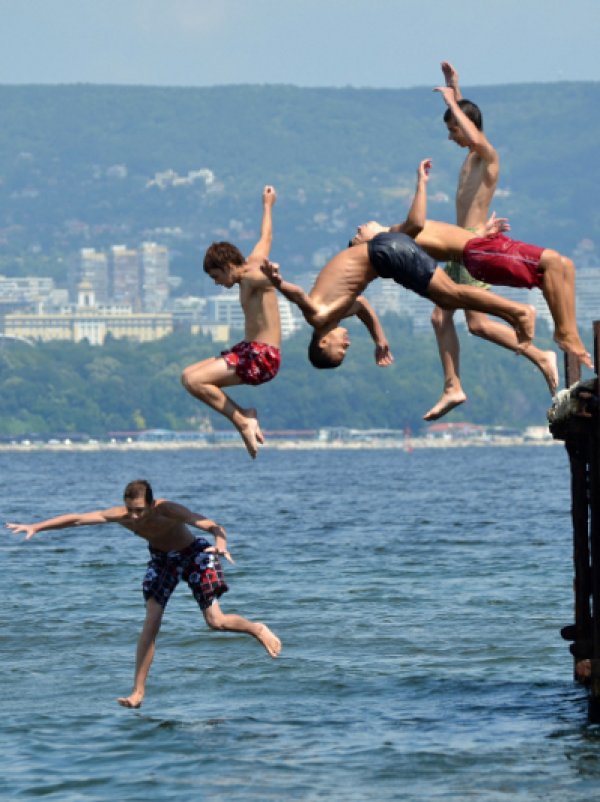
[(419, 598)]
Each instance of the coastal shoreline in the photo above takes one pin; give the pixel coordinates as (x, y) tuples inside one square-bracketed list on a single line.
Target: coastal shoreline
[(284, 445)]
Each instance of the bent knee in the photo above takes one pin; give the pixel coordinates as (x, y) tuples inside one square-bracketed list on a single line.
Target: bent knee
[(440, 318), (568, 265), (185, 378), (477, 327)]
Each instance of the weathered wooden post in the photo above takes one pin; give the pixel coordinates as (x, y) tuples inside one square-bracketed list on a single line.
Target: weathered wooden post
[(575, 418)]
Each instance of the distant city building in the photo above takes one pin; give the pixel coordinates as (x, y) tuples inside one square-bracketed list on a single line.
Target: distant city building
[(126, 276), (27, 290), (225, 308), (93, 268), (86, 321), (155, 276)]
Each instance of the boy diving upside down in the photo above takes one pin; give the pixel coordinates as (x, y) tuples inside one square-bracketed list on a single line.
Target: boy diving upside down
[(337, 291), (495, 259)]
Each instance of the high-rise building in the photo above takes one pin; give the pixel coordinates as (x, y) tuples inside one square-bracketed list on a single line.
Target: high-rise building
[(126, 276), (155, 276), (93, 269)]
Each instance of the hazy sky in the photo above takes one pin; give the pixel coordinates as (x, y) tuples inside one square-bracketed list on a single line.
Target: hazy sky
[(377, 43)]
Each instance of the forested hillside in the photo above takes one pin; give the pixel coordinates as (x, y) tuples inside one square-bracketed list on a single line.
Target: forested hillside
[(94, 165), (63, 387)]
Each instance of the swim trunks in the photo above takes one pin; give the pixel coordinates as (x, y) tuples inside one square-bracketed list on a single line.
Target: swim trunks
[(460, 275), (203, 573), (254, 363), (397, 256), (500, 260)]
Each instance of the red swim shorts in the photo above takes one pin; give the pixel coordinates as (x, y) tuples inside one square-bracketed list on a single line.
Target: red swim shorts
[(254, 363), (500, 260)]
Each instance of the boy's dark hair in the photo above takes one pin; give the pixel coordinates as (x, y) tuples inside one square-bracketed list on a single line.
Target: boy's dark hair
[(470, 109), (138, 488), (317, 357), (220, 254)]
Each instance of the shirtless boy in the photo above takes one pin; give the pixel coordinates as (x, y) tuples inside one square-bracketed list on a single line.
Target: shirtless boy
[(476, 186), (174, 552), (256, 359), (496, 259), (337, 291)]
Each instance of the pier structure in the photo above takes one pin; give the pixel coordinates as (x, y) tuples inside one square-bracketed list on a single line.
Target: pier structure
[(575, 419)]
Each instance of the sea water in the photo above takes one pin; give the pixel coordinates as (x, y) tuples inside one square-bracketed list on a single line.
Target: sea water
[(419, 598)]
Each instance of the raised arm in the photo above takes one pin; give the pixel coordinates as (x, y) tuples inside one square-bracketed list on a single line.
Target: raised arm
[(182, 514), (367, 315), (451, 79), (417, 214), (112, 515), (262, 249), (475, 139)]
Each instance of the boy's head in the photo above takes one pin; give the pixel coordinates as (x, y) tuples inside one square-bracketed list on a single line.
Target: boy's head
[(366, 232), (327, 351), (472, 112), (138, 497), (220, 261)]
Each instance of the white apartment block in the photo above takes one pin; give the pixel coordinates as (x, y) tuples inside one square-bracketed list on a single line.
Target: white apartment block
[(155, 276)]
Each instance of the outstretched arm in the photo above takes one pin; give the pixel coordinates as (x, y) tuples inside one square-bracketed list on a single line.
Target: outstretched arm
[(292, 292), (367, 315), (262, 248), (451, 79), (182, 514), (417, 214), (67, 521)]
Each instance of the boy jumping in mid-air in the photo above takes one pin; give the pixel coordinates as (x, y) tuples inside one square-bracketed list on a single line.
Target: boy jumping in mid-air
[(495, 259), (256, 359), (174, 553), (476, 186), (336, 292)]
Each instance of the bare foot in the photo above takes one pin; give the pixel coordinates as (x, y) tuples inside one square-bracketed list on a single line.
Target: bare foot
[(573, 345), (251, 413), (251, 435), (447, 402), (268, 639), (524, 326), (134, 701), (549, 366)]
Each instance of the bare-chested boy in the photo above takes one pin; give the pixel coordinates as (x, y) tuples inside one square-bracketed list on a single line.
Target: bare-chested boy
[(256, 359), (174, 553), (496, 259), (476, 187), (337, 291)]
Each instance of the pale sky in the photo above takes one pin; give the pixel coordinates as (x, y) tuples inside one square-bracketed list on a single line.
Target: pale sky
[(361, 43)]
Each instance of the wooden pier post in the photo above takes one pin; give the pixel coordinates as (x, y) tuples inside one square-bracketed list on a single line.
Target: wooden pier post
[(579, 428)]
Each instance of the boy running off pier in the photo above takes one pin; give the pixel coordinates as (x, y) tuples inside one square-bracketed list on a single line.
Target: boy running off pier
[(256, 359), (175, 553), (336, 292)]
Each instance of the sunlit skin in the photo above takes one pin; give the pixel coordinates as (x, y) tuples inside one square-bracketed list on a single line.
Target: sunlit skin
[(477, 182), (443, 242), (335, 344), (337, 291), (165, 526), (205, 380)]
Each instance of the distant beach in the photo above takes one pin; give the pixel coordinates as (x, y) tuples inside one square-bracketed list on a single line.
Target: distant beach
[(282, 445)]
